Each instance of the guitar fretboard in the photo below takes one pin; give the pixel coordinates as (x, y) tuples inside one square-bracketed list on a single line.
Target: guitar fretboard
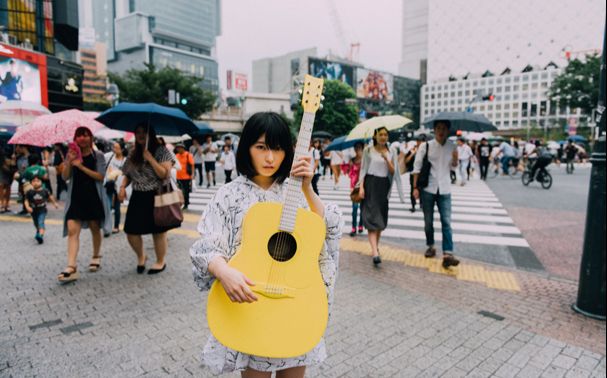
[(289, 210)]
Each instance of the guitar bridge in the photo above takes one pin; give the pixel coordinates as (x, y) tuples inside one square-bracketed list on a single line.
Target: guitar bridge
[(273, 291)]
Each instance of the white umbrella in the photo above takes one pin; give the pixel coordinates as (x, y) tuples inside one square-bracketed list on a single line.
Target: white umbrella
[(366, 129), (21, 112)]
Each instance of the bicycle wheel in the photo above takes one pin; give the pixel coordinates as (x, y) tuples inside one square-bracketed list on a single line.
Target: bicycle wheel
[(526, 178), (547, 180)]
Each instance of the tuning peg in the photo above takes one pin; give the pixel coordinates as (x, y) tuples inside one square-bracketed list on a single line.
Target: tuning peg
[(322, 98), (320, 106), (300, 91)]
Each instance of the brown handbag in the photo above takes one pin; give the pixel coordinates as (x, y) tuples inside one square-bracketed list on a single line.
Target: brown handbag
[(355, 195), (167, 206)]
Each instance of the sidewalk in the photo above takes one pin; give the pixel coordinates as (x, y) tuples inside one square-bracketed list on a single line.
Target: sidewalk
[(399, 320)]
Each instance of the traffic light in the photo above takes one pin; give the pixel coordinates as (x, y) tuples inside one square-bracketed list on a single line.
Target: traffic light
[(184, 101), (489, 97)]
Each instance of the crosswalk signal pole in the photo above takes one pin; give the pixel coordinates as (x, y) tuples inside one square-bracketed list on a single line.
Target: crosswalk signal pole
[(591, 289)]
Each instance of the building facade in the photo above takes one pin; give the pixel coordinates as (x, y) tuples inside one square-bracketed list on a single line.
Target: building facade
[(461, 36), (181, 35), (38, 51), (520, 99)]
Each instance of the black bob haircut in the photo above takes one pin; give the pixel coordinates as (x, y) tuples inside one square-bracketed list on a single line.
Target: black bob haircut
[(278, 136), (443, 121)]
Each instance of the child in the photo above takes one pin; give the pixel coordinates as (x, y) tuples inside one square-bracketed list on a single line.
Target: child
[(264, 160), (35, 204)]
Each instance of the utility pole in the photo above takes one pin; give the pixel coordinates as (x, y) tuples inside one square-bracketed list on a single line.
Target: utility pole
[(591, 289)]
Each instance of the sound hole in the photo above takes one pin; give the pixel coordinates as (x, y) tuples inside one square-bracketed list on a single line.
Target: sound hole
[(282, 246)]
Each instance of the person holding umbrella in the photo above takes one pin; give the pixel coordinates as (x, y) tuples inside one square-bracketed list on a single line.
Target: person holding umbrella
[(146, 167), (378, 172), (84, 206)]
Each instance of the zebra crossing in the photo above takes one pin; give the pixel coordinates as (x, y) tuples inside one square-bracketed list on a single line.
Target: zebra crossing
[(477, 216)]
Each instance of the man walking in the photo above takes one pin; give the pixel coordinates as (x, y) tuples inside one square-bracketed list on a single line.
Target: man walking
[(210, 150), (409, 161), (442, 155), (483, 153)]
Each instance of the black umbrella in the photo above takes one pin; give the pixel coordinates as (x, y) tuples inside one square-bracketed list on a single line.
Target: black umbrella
[(463, 121), (322, 134)]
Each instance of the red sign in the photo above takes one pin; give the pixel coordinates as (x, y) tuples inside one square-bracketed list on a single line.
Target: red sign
[(22, 75), (241, 82)]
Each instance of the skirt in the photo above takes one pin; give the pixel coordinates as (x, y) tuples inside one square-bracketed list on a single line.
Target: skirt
[(140, 215), (375, 203)]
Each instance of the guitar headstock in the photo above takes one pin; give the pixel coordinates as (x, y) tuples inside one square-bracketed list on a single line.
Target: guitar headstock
[(312, 94)]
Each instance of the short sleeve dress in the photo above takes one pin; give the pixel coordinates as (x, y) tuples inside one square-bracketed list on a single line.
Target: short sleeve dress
[(140, 213), (221, 235)]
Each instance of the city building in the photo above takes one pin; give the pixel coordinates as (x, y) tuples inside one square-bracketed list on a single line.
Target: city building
[(180, 35), (378, 93), (94, 63), (443, 38), (39, 43), (519, 101)]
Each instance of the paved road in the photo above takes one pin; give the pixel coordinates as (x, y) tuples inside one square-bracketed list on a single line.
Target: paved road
[(399, 320), (552, 221)]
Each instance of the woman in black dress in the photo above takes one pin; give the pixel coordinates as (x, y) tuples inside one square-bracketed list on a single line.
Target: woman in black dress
[(84, 207), (146, 169)]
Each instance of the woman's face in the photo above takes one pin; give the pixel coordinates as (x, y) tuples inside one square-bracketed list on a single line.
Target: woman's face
[(265, 160), (83, 140), (382, 137), (140, 135), (117, 149)]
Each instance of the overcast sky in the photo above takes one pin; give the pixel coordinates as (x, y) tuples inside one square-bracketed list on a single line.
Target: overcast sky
[(267, 28)]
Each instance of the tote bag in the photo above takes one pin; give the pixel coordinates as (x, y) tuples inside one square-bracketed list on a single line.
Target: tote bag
[(167, 205)]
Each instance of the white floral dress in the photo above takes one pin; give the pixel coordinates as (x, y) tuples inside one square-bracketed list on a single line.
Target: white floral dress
[(221, 229)]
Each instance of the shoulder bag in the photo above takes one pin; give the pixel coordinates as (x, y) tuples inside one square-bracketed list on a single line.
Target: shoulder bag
[(424, 174)]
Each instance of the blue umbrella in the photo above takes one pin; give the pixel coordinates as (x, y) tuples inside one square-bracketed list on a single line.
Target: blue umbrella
[(203, 128), (164, 120), (577, 138), (340, 143)]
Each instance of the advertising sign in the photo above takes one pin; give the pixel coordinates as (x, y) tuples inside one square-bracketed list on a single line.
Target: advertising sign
[(22, 76), (374, 85), (331, 70), (237, 81)]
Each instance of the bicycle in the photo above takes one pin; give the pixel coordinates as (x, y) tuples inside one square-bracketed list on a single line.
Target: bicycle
[(496, 167), (542, 175)]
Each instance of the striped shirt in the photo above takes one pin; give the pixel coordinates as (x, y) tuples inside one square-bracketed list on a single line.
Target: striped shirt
[(143, 178)]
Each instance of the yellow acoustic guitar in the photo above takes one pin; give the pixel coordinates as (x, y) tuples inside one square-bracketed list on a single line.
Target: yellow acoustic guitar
[(279, 252)]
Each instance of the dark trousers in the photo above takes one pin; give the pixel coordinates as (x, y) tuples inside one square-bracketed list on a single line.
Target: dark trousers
[(484, 165), (453, 176), (186, 188), (228, 173), (413, 201), (315, 183), (114, 205), (198, 168)]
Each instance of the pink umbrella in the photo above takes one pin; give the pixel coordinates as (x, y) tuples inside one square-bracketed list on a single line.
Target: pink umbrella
[(54, 128)]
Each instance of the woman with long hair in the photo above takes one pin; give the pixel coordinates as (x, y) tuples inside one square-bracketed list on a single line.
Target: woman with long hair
[(378, 172), (84, 206), (263, 159), (146, 167)]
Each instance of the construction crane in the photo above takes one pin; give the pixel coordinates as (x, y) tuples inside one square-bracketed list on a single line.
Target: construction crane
[(349, 52)]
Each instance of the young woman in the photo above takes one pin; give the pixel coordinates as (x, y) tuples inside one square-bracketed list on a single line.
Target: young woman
[(378, 171), (146, 169), (354, 173), (115, 162), (84, 207), (263, 159)]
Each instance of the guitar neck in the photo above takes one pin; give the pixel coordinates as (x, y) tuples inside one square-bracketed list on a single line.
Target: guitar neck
[(289, 210)]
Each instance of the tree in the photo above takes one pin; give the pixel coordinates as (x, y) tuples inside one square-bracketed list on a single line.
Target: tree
[(578, 85), (337, 116), (152, 85)]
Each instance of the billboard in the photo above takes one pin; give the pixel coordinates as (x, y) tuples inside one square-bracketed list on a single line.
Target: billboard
[(374, 85), (22, 76), (237, 81), (331, 70)]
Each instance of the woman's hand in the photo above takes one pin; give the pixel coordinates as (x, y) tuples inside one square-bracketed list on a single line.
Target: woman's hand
[(122, 194), (236, 285), (361, 192), (303, 168), (70, 157), (416, 194), (147, 156)]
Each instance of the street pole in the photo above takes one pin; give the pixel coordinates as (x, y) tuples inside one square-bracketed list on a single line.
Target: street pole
[(591, 290)]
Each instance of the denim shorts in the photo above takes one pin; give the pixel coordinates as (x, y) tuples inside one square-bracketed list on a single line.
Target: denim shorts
[(39, 216)]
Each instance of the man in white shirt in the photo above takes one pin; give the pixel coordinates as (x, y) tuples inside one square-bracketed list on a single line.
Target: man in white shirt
[(508, 154), (464, 153), (442, 155), (210, 150)]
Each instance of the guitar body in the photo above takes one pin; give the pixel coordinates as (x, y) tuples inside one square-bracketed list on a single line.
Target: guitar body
[(291, 313)]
